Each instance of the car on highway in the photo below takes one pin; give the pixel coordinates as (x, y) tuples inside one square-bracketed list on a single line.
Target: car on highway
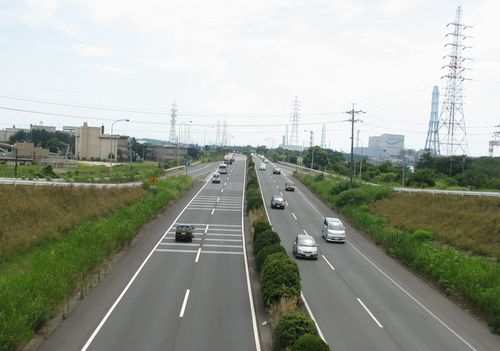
[(216, 178), (333, 230), (276, 170), (305, 246), (277, 202), (262, 167), (289, 186), (266, 160), (222, 168), (184, 232)]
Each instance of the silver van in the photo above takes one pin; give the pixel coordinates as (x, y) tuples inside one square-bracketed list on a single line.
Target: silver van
[(333, 230)]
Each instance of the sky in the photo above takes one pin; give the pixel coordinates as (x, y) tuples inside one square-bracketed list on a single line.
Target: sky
[(66, 62)]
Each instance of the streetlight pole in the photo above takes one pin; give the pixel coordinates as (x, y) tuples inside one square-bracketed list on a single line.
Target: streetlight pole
[(111, 144)]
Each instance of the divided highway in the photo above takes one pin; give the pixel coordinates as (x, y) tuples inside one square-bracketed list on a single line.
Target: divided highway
[(167, 295), (360, 298)]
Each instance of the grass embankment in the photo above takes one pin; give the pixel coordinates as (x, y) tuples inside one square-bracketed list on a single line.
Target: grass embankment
[(280, 279), (34, 283), (472, 280), (87, 173), (468, 223)]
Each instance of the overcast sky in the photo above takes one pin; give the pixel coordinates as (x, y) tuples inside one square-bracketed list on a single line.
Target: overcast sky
[(244, 62)]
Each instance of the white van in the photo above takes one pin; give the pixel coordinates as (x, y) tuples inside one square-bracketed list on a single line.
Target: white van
[(216, 178), (333, 230), (222, 168)]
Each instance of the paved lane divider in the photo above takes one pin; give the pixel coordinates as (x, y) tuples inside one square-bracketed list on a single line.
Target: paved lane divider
[(184, 304), (369, 312)]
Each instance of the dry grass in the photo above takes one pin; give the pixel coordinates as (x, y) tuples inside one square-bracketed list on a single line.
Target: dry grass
[(278, 310), (467, 223), (32, 215)]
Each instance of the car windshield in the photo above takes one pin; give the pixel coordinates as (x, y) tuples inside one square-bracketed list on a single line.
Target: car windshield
[(335, 226), (183, 228), (307, 242), (278, 199)]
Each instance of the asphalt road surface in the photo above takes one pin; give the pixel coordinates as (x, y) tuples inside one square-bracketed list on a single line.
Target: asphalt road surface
[(359, 297), (167, 295)]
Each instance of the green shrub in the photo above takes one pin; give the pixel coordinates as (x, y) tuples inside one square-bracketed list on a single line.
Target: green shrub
[(254, 200), (260, 258), (290, 328), (310, 342), (264, 239), (280, 278), (260, 226), (421, 235), (338, 187)]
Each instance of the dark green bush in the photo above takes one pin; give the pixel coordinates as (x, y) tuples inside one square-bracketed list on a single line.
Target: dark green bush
[(260, 226), (339, 187), (280, 278), (254, 200), (264, 239), (260, 258), (310, 342), (421, 235), (290, 328)]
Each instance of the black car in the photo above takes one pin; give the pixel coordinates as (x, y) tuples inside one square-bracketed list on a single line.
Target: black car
[(276, 171), (184, 232), (277, 202)]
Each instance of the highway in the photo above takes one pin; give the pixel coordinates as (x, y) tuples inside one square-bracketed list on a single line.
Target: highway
[(360, 298), (167, 295)]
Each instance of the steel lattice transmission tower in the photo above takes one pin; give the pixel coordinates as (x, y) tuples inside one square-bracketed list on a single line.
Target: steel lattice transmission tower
[(453, 136), (217, 134), (173, 117), (224, 135), (295, 119), (432, 140), (323, 137)]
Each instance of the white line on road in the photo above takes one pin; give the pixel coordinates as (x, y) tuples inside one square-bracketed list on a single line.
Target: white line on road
[(294, 216), (184, 304), (305, 232), (197, 256), (174, 250), (282, 195), (239, 235), (216, 245), (312, 316), (277, 187), (221, 190), (328, 262), (206, 229), (369, 312), (218, 199), (224, 252), (225, 183), (286, 203), (213, 210), (237, 240)]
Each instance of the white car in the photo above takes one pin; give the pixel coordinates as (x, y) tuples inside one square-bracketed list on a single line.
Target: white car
[(216, 178), (305, 246), (262, 167), (333, 230)]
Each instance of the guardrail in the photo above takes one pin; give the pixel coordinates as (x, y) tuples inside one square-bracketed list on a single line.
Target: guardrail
[(406, 190)]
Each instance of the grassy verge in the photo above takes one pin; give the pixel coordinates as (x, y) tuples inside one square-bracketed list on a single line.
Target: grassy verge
[(35, 282), (472, 280)]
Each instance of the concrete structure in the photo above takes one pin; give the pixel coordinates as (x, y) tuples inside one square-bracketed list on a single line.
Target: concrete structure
[(92, 144), (162, 153), (42, 127), (6, 133), (392, 143)]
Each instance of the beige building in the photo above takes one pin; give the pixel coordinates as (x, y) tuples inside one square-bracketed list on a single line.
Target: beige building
[(6, 133), (92, 144)]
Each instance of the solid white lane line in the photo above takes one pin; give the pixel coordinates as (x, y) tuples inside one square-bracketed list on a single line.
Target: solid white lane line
[(184, 304), (211, 214), (216, 245), (369, 312), (180, 244), (206, 229), (224, 252), (215, 234), (312, 316), (120, 297), (328, 262), (235, 240), (174, 250), (197, 256), (294, 216)]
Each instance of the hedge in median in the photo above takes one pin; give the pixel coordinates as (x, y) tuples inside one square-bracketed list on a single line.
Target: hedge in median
[(261, 257), (280, 278), (265, 239), (310, 342), (290, 328), (260, 226)]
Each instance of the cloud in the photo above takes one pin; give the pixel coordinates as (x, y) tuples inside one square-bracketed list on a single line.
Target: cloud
[(165, 64), (92, 51), (114, 69), (392, 8)]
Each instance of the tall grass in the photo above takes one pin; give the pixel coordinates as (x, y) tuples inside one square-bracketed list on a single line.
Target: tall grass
[(467, 223), (35, 282), (34, 215)]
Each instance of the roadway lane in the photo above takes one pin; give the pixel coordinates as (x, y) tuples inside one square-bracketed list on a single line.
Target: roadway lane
[(182, 296), (361, 298)]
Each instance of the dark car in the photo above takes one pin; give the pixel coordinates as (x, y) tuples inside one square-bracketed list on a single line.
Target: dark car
[(184, 232), (277, 202), (276, 170), (289, 186)]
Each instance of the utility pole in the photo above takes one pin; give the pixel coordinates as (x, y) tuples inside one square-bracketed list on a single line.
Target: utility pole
[(352, 112)]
